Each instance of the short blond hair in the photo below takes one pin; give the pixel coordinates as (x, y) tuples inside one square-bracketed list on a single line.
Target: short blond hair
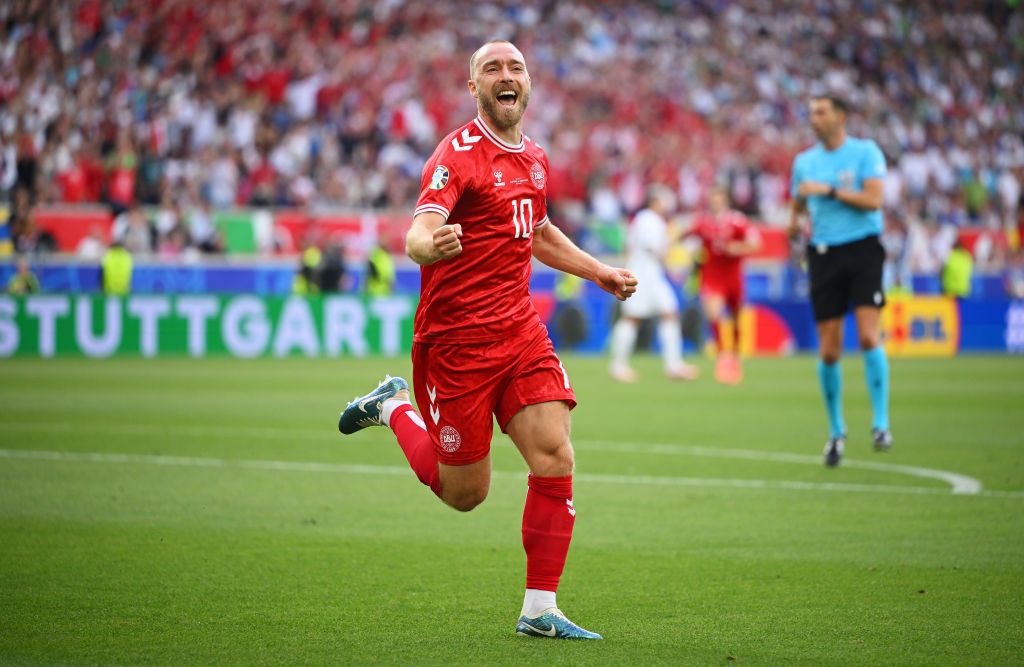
[(476, 54)]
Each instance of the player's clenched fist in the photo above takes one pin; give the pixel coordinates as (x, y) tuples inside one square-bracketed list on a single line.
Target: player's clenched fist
[(620, 282), (446, 240)]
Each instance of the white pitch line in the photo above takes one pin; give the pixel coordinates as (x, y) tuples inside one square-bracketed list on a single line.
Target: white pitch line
[(961, 484), (358, 469)]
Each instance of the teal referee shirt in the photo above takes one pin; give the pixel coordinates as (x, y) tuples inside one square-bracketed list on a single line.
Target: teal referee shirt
[(845, 168)]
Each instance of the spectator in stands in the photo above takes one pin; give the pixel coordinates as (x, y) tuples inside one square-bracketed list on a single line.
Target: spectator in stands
[(202, 231), (92, 245), (957, 272), (380, 272), (23, 281), (131, 229), (332, 274), (283, 93), (116, 270)]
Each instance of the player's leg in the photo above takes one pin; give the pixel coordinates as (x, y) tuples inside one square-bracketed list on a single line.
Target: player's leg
[(734, 301), (623, 337), (830, 297), (868, 299), (713, 304), (830, 345), (534, 411), (670, 334), (462, 487), (458, 387), (450, 454), (876, 374), (623, 340), (389, 405), (541, 433)]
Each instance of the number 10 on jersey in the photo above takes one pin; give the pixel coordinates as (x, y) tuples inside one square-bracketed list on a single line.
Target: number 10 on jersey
[(522, 217)]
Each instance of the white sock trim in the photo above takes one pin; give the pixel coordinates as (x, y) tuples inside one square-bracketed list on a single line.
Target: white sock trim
[(388, 408), (536, 601)]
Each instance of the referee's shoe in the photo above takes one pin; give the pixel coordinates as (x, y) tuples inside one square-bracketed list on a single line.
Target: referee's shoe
[(834, 450), (882, 439)]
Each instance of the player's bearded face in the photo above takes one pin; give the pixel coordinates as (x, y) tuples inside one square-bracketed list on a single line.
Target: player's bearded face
[(504, 101)]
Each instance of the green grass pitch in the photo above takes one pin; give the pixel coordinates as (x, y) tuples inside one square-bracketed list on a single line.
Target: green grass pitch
[(207, 512)]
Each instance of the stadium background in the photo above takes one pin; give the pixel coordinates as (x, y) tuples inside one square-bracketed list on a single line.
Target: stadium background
[(205, 511), (220, 140)]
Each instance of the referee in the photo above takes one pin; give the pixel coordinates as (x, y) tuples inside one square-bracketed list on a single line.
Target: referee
[(838, 182)]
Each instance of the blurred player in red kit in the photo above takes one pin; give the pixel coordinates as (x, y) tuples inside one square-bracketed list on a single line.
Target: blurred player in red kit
[(479, 347), (728, 237)]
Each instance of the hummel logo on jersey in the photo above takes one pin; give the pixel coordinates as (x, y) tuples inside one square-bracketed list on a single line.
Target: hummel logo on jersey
[(435, 412), (467, 139), (497, 179)]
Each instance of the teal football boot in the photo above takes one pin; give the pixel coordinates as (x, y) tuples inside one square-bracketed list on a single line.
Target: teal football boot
[(552, 623), (364, 411)]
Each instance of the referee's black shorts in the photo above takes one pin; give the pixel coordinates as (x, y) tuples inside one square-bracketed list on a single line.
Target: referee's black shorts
[(845, 275)]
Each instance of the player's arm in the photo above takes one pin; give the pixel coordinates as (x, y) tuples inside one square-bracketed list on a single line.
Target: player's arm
[(431, 239), (797, 207), (552, 247), (868, 199), (750, 244)]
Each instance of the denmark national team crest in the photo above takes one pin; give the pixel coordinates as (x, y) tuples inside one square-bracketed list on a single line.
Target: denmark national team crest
[(537, 175), (440, 177), (450, 439)]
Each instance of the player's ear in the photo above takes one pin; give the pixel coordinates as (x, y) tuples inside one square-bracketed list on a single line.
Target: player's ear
[(472, 87)]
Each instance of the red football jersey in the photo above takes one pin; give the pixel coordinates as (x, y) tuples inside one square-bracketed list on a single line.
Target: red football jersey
[(497, 192), (715, 232)]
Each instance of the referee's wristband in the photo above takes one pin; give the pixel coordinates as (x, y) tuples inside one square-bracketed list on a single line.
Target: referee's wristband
[(832, 192)]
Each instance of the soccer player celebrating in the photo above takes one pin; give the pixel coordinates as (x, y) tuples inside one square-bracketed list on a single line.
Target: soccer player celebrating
[(647, 244), (479, 347), (839, 183), (728, 237)]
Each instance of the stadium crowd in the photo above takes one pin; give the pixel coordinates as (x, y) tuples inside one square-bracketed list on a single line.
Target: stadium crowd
[(193, 105)]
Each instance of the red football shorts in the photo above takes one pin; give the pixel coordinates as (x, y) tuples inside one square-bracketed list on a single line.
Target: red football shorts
[(460, 385), (728, 289)]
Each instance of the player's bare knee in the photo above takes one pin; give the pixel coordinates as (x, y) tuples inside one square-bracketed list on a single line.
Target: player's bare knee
[(465, 500), (556, 461), (868, 342), (829, 356)]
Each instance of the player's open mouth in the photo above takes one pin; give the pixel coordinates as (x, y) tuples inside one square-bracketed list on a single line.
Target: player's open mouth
[(507, 98)]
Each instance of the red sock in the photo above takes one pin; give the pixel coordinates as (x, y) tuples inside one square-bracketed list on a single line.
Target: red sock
[(416, 445), (735, 307), (716, 334), (547, 530)]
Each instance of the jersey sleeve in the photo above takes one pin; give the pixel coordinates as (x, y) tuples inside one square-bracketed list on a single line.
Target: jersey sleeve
[(873, 163), (444, 179)]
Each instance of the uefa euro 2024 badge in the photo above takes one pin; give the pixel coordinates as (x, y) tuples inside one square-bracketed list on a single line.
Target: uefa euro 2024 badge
[(440, 177)]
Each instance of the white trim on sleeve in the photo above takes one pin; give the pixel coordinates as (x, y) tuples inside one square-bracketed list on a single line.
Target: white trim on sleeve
[(432, 208)]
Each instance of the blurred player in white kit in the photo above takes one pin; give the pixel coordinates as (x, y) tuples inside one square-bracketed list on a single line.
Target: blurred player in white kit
[(647, 245)]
